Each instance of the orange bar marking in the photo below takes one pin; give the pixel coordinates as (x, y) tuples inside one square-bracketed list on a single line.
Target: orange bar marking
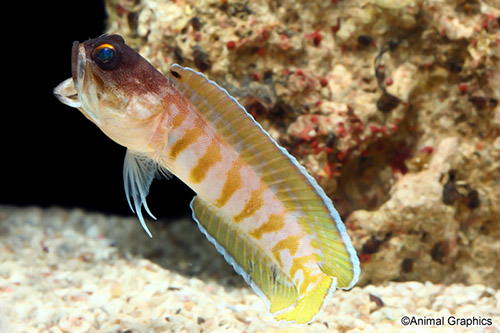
[(211, 156), (180, 145), (274, 223), (255, 202), (231, 185)]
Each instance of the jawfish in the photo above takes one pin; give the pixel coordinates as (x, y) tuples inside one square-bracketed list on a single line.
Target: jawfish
[(260, 208)]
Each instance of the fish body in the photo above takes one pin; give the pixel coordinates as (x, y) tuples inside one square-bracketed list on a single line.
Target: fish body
[(259, 207)]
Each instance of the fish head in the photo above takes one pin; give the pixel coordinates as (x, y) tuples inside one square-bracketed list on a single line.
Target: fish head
[(115, 88)]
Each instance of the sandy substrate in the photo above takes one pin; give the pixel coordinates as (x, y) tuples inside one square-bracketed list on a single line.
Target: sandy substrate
[(72, 271)]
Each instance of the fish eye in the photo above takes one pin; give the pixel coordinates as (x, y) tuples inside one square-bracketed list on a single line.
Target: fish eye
[(105, 56)]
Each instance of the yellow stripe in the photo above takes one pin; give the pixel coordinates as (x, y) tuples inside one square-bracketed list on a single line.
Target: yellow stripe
[(274, 223), (231, 185), (180, 145), (211, 156), (255, 202)]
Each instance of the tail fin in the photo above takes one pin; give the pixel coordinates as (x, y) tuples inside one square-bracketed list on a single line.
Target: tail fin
[(311, 303)]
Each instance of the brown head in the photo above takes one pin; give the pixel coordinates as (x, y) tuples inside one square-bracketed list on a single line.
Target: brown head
[(117, 89)]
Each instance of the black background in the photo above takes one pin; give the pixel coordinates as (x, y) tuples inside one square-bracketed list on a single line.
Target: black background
[(52, 155)]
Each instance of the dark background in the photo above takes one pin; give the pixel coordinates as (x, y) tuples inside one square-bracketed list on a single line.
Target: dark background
[(52, 155)]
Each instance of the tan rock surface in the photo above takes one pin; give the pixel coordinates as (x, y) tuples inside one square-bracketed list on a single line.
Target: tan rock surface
[(364, 93)]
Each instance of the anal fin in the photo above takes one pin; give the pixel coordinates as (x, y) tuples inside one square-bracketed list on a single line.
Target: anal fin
[(265, 277)]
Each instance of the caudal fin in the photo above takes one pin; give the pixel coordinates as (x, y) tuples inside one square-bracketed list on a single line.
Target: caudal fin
[(311, 303)]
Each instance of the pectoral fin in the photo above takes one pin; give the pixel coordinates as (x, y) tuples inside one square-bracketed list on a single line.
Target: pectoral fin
[(138, 174)]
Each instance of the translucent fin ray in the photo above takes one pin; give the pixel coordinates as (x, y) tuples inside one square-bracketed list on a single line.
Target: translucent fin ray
[(138, 174)]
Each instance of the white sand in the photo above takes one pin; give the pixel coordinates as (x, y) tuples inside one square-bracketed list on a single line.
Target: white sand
[(72, 271)]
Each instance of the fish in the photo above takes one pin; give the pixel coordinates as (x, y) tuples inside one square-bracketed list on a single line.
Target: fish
[(254, 201)]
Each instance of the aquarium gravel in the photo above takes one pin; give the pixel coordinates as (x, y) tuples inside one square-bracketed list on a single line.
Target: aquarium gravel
[(74, 271)]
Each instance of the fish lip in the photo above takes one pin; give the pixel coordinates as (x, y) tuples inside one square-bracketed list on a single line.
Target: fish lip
[(74, 61), (78, 63)]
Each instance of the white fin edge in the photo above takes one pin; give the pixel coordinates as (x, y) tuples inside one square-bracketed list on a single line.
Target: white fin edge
[(138, 174)]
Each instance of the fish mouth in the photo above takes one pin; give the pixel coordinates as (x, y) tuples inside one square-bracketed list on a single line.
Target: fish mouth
[(67, 94), (67, 91)]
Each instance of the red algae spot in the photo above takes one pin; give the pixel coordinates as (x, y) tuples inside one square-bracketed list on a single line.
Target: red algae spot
[(256, 76), (427, 149), (364, 257), (341, 131), (264, 33), (398, 162), (490, 22), (375, 129), (342, 155), (359, 127), (462, 87), (316, 38), (316, 148)]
